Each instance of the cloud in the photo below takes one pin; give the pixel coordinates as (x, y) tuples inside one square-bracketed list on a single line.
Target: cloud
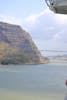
[(56, 37), (61, 19), (33, 18), (10, 19)]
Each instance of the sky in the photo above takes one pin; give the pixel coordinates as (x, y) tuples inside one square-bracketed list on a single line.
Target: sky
[(47, 29)]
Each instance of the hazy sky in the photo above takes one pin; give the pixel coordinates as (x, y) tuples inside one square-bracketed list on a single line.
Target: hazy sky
[(48, 30)]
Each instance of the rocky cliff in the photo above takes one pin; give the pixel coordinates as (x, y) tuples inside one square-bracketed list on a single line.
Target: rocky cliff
[(17, 46)]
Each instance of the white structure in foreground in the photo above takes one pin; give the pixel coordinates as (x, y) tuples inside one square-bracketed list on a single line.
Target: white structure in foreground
[(57, 6)]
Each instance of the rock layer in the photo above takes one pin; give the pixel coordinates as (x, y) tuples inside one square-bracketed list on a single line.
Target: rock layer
[(17, 46)]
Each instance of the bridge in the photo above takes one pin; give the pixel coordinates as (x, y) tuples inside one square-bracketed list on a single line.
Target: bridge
[(54, 50)]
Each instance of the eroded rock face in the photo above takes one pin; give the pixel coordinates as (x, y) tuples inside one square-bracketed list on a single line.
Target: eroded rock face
[(17, 46)]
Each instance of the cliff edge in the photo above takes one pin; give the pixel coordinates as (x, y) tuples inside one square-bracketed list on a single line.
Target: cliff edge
[(17, 46)]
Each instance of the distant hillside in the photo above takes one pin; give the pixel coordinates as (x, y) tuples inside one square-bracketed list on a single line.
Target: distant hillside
[(17, 46), (58, 58)]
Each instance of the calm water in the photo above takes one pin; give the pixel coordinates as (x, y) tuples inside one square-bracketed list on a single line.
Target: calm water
[(33, 82)]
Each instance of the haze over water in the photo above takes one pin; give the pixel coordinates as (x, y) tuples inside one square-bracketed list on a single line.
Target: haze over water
[(33, 82)]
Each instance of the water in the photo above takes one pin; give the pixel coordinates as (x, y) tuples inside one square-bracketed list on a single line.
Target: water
[(33, 82)]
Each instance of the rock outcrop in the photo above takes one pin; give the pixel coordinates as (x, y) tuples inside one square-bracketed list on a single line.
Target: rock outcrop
[(17, 46)]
